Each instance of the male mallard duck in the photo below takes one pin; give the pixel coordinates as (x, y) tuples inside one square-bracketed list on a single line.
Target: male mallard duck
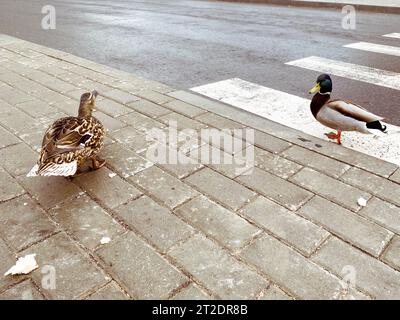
[(338, 114), (70, 141)]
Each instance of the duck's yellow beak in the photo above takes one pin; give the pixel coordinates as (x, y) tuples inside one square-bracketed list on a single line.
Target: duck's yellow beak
[(315, 89)]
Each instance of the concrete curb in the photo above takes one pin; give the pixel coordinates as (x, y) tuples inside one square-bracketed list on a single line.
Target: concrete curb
[(316, 4)]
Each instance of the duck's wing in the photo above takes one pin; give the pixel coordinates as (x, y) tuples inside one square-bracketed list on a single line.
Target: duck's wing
[(66, 135), (352, 110)]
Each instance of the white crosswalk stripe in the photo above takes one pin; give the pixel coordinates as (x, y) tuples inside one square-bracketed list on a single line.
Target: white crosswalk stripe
[(373, 47), (352, 71), (294, 112), (392, 35)]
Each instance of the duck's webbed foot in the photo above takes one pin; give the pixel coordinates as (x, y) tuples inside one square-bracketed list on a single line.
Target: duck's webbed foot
[(335, 136), (97, 163)]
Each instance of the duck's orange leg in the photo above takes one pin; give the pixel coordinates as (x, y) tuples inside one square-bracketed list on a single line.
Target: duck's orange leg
[(337, 136)]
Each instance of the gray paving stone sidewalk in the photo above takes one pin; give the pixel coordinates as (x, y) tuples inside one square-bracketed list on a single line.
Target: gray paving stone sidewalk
[(292, 229)]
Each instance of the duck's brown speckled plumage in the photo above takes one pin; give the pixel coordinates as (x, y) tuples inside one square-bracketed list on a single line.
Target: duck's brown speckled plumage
[(70, 141), (62, 142)]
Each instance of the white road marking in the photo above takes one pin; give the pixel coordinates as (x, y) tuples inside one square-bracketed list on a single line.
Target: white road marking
[(357, 72), (294, 112), (392, 35), (373, 47)]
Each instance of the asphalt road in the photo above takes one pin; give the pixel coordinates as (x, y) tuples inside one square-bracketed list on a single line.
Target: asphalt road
[(191, 43)]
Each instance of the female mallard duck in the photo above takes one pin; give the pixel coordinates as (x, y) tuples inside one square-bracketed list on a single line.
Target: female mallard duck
[(70, 141), (338, 114)]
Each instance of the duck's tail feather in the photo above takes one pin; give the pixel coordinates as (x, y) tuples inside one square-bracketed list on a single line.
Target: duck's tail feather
[(34, 171), (52, 169), (377, 125)]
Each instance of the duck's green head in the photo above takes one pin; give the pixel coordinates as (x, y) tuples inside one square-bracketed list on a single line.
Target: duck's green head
[(323, 85)]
